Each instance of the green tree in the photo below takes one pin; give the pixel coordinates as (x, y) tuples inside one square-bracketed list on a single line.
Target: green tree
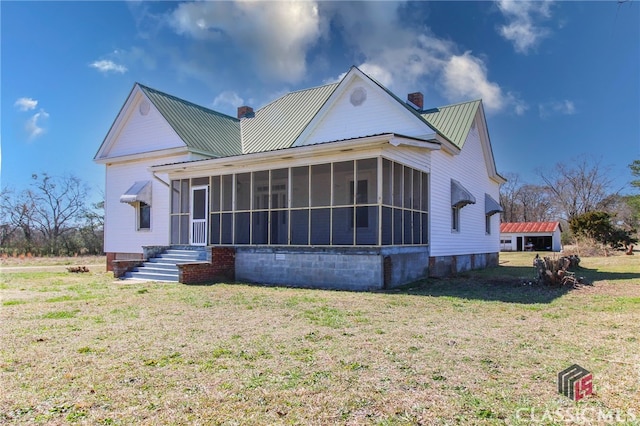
[(598, 226)]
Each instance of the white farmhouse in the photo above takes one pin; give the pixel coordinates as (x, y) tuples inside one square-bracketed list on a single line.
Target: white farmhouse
[(339, 186)]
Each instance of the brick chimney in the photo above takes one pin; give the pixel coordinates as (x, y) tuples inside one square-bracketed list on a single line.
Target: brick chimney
[(243, 111), (417, 99)]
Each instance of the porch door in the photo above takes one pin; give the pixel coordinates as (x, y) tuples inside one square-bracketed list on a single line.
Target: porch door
[(199, 210)]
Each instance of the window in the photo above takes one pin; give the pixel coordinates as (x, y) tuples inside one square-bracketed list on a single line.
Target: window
[(487, 224), (455, 219), (144, 216)]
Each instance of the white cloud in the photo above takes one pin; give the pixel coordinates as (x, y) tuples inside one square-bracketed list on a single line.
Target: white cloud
[(416, 59), (107, 66), (25, 104), (227, 101), (564, 107), (275, 35), (34, 126), (523, 27), (465, 76)]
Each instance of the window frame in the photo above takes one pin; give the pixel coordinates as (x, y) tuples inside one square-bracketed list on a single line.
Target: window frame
[(140, 209)]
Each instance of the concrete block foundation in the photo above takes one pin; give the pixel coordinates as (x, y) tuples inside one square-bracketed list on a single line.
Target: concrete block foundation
[(347, 268)]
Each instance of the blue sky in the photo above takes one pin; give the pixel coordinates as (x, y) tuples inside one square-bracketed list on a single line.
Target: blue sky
[(558, 79)]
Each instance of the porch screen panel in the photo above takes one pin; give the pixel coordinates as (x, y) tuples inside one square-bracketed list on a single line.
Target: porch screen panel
[(260, 213), (416, 190), (407, 184), (398, 177), (321, 185), (300, 187), (342, 226), (243, 191), (320, 226), (367, 235), (175, 229), (300, 227), (243, 227), (425, 228), (184, 196), (184, 229), (387, 226), (397, 226), (407, 227), (260, 227), (215, 194), (279, 204), (227, 193), (416, 224), (279, 227), (226, 229), (367, 170), (214, 228), (175, 196), (342, 179), (424, 202), (387, 182)]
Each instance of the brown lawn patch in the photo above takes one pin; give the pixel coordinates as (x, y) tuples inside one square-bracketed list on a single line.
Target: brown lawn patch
[(483, 348)]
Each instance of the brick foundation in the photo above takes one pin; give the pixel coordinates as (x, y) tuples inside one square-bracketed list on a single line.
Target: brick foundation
[(121, 267), (221, 268), (444, 266), (114, 256)]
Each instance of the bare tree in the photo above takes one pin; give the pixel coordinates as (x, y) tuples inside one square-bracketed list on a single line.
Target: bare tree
[(535, 203), (16, 210), (57, 205), (509, 193), (578, 187), (524, 202)]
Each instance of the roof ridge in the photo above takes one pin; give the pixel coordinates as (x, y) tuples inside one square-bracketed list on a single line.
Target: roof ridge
[(184, 101), (427, 111), (297, 91)]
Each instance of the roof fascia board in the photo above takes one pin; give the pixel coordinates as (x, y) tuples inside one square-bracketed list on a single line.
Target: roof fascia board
[(447, 146), (487, 150), (263, 157), (398, 140), (117, 123), (143, 156)]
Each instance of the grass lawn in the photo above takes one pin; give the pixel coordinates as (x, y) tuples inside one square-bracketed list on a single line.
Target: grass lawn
[(482, 348)]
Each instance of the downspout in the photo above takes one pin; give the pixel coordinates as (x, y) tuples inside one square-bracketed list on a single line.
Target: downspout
[(160, 180)]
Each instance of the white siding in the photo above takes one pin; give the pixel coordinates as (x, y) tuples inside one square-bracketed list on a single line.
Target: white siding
[(379, 113), (143, 133), (121, 235), (470, 170)]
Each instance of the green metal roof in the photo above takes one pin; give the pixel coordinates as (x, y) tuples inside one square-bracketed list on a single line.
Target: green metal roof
[(278, 124), (200, 128), (453, 121)]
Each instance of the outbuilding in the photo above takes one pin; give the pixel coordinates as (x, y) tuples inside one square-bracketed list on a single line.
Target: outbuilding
[(530, 236)]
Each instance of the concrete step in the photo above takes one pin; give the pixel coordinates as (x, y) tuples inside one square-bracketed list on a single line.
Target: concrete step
[(164, 267), (157, 264), (151, 276)]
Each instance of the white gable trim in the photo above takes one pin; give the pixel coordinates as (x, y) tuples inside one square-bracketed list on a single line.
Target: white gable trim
[(398, 140), (143, 155), (351, 76), (126, 112), (481, 125)]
